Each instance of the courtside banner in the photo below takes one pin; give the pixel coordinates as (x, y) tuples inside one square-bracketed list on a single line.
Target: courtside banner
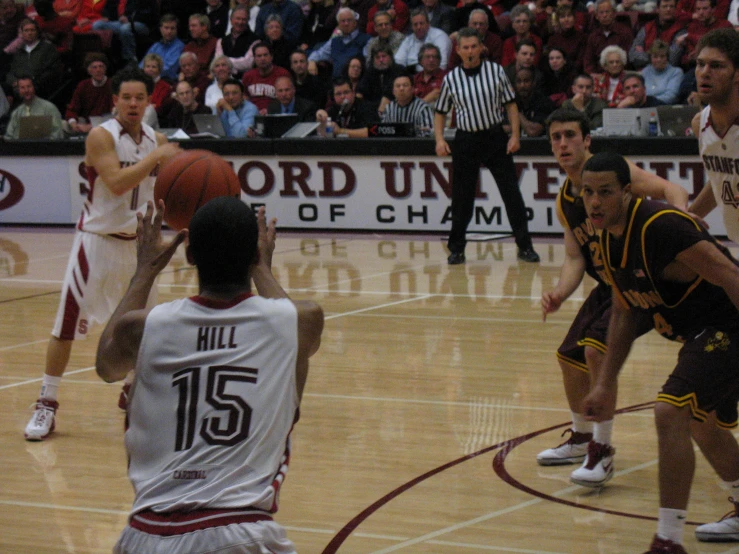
[(379, 193), (35, 190)]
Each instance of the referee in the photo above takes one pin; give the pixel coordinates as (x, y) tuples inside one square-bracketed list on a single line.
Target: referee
[(479, 90)]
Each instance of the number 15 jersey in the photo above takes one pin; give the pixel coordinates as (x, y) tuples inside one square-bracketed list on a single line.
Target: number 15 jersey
[(213, 404)]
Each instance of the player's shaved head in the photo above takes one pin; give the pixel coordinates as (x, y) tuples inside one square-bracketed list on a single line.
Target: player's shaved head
[(223, 242)]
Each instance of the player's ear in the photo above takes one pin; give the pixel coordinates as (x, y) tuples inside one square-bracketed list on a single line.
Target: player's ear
[(188, 254)]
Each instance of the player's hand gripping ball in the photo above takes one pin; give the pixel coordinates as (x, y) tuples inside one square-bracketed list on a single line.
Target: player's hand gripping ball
[(189, 180)]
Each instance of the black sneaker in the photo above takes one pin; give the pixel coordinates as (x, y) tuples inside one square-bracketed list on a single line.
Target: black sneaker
[(456, 258), (528, 255)]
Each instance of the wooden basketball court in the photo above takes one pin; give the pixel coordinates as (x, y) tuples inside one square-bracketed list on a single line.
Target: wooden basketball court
[(433, 391)]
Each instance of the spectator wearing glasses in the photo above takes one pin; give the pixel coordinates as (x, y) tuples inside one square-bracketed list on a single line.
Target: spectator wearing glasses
[(609, 85), (386, 35), (180, 116), (340, 49), (427, 82)]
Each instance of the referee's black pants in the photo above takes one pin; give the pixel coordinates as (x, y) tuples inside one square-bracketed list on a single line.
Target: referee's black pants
[(488, 148)]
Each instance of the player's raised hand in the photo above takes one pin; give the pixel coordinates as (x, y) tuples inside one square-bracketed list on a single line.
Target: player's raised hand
[(550, 302), (267, 237), (153, 254)]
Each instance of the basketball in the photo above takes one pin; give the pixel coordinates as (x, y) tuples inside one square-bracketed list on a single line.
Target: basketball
[(189, 180)]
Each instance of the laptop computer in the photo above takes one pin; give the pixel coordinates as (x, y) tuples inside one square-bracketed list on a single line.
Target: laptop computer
[(208, 125), (675, 121), (34, 127), (274, 125), (301, 130), (633, 122), (392, 130)]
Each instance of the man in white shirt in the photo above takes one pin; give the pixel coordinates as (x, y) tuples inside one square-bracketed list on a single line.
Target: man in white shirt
[(423, 32)]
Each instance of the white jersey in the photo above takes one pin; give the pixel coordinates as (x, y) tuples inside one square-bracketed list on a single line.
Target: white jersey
[(720, 157), (213, 404), (104, 212)]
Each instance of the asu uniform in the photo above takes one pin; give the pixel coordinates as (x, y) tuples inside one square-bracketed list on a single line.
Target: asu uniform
[(696, 313), (211, 411), (720, 156), (590, 325), (103, 257)]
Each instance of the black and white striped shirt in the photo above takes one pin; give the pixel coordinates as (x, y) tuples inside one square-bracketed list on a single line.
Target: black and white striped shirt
[(478, 96), (417, 112)]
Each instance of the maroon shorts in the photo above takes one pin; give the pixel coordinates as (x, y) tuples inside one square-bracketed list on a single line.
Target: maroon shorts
[(706, 377), (590, 327)]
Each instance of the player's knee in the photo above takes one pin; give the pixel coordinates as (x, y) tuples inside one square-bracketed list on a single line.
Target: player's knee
[(669, 418)]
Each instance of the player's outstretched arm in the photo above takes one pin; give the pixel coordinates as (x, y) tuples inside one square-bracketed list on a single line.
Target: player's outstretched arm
[(645, 183), (570, 276), (600, 403), (705, 259), (101, 154), (310, 314), (119, 343)]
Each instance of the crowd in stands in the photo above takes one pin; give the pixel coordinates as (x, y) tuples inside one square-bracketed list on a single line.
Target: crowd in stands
[(350, 60)]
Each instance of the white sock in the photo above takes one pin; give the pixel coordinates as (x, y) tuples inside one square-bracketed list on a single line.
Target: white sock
[(580, 425), (50, 387), (602, 432), (671, 524)]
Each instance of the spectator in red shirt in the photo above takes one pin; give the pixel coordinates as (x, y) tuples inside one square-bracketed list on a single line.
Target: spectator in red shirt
[(202, 44), (260, 81), (704, 20), (567, 37), (11, 15), (686, 8), (55, 28), (68, 8), (153, 67), (92, 97), (427, 82), (665, 28), (90, 12), (608, 32), (521, 21), (396, 9)]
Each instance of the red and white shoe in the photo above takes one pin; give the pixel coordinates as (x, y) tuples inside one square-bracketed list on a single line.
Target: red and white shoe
[(572, 451), (42, 421), (597, 469)]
